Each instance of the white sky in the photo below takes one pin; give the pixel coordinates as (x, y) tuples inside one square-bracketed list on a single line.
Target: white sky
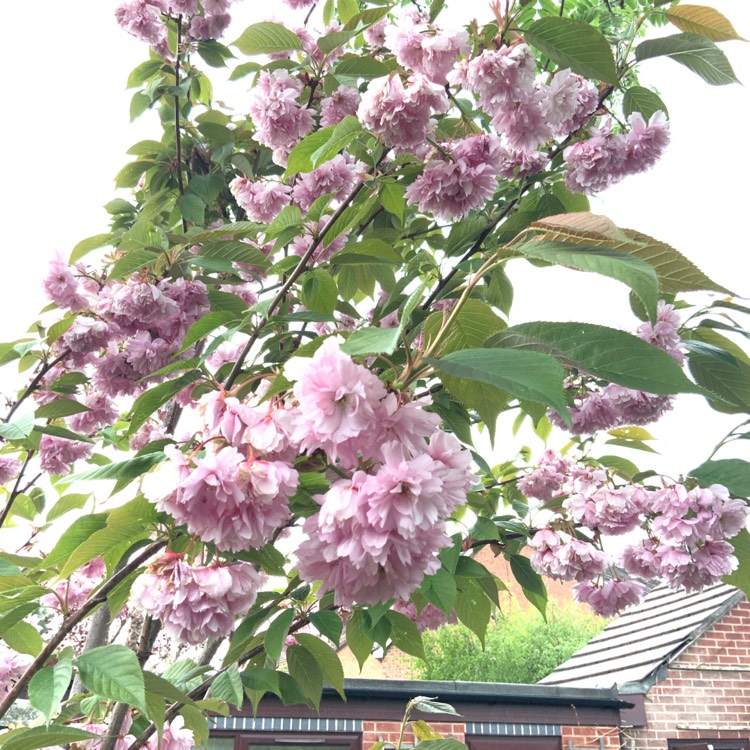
[(65, 133)]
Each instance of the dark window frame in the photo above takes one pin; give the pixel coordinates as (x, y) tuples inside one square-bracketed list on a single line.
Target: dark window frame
[(708, 743), (344, 740), (513, 742)]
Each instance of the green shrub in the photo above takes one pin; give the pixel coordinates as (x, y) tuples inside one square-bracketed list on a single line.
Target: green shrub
[(520, 647)]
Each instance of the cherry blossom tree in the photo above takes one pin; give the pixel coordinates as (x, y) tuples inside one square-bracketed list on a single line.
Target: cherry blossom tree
[(287, 353)]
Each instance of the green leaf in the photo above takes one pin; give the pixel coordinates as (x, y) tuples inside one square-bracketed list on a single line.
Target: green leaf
[(676, 273), (405, 635), (741, 577), (206, 325), (90, 243), (100, 543), (392, 198), (25, 639), (76, 534), (372, 340), (729, 381), (343, 134), (147, 403), (607, 353), (360, 67), (273, 641), (327, 659), (62, 407), (328, 624), (700, 19), (267, 38), (122, 470), (32, 739), (48, 686), (367, 252), (643, 100), (304, 668), (527, 375), (347, 9), (530, 581), (575, 45), (300, 158), (113, 672), (228, 687), (18, 429), (733, 473), (192, 208), (319, 291), (471, 328), (695, 52), (354, 26), (473, 608), (131, 262), (358, 637)]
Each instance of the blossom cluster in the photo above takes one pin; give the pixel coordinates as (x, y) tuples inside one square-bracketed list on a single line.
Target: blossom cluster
[(12, 666), (684, 533), (71, 593), (380, 525), (614, 405), (120, 333), (378, 532), (196, 602), (146, 19)]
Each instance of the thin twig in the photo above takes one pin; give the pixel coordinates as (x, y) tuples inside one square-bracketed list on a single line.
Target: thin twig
[(16, 491), (35, 382)]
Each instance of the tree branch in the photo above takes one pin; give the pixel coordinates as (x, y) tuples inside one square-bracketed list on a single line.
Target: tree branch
[(293, 276), (72, 620), (16, 491)]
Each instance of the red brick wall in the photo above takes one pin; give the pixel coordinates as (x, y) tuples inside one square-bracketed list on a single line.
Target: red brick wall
[(707, 690), (589, 737), (388, 731)]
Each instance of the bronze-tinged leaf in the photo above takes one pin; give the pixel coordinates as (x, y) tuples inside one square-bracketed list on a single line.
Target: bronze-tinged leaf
[(701, 19)]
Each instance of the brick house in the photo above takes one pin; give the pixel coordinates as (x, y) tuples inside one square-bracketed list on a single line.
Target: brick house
[(492, 717), (684, 661)]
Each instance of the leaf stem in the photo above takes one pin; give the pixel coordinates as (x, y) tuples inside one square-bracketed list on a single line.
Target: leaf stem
[(177, 129)]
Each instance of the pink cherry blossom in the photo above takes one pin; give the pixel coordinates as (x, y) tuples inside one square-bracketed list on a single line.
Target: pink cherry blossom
[(12, 666), (176, 736), (611, 597), (334, 108), (401, 115), (279, 118), (225, 499), (431, 53), (645, 144), (262, 202), (546, 480), (430, 617), (9, 468), (62, 287), (336, 177), (195, 603), (142, 20), (597, 163), (339, 402), (56, 455), (102, 412)]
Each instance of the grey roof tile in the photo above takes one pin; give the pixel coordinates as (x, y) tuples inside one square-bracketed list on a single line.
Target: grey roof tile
[(644, 638)]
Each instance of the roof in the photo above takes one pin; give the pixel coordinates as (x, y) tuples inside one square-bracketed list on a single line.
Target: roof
[(485, 692), (633, 651)]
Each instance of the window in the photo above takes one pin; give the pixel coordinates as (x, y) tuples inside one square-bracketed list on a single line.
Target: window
[(709, 744), (505, 742), (299, 741)]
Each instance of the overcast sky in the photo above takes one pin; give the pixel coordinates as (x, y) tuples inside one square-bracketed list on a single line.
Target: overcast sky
[(65, 132)]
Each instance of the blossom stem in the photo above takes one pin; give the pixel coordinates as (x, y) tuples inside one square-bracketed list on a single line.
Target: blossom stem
[(100, 597)]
